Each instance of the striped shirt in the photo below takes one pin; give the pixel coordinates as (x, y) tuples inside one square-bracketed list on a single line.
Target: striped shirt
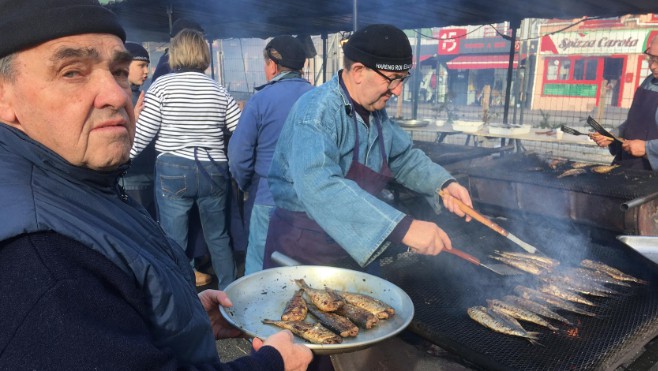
[(186, 110)]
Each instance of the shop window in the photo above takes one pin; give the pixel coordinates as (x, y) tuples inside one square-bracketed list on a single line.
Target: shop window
[(585, 69)]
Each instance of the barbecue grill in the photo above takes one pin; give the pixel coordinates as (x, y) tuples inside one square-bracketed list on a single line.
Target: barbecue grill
[(569, 219)]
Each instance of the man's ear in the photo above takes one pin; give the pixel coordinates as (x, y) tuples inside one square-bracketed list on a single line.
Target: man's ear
[(7, 114), (357, 70)]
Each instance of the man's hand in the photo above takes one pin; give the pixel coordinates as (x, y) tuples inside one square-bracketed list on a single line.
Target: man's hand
[(635, 147), (296, 357), (211, 300), (426, 238), (139, 105), (601, 140), (456, 191)]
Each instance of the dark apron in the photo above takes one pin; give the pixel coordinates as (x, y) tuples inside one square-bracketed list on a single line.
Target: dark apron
[(301, 238), (641, 124)]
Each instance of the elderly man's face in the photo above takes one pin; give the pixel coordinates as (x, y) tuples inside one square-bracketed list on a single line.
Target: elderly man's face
[(653, 59), (72, 95), (371, 90)]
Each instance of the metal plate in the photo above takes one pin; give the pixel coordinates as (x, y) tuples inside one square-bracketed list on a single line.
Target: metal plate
[(264, 295), (413, 123), (645, 245)]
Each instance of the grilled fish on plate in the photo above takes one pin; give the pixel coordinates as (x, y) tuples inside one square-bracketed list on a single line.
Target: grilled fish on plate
[(311, 332), (359, 316), (334, 322), (296, 308), (372, 305), (326, 300)]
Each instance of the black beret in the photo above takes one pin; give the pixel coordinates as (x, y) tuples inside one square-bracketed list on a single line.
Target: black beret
[(292, 52), (380, 46), (138, 52), (27, 23)]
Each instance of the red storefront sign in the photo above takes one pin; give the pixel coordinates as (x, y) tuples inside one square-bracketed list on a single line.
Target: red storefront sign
[(449, 40)]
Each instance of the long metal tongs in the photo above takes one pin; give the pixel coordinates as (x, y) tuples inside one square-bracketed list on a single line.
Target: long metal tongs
[(487, 222), (601, 130), (501, 269)]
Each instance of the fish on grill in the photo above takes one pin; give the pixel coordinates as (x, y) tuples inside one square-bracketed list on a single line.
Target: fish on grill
[(536, 308), (326, 300), (524, 265), (312, 332), (334, 322), (596, 276), (499, 323), (580, 165), (612, 272), (604, 169), (585, 287), (565, 294), (554, 301), (538, 260), (296, 308), (572, 172), (359, 316), (519, 313), (372, 305)]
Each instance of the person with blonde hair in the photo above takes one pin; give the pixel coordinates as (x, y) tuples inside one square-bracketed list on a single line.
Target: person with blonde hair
[(191, 113)]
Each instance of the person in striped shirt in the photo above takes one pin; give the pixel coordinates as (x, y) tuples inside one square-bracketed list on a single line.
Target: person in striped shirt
[(190, 114)]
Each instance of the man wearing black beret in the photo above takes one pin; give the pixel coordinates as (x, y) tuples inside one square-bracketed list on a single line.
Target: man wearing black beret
[(88, 280), (337, 151)]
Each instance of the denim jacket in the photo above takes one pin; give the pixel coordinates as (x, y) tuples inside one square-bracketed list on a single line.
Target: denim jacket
[(314, 154)]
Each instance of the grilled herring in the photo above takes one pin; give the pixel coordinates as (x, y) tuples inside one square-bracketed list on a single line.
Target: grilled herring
[(539, 260), (552, 300), (604, 169), (572, 172), (296, 308), (519, 313), (524, 265), (311, 332), (325, 300), (359, 316), (536, 308), (372, 305), (499, 323), (334, 322), (612, 272), (586, 287), (565, 294), (596, 276)]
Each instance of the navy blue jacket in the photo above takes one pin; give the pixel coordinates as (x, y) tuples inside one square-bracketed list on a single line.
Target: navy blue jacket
[(41, 192)]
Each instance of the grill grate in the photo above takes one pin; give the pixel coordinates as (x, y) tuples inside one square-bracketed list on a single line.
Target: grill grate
[(618, 183), (443, 287)]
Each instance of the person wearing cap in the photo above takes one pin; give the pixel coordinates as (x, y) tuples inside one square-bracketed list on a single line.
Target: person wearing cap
[(640, 130), (139, 68), (88, 279), (337, 151), (138, 180), (252, 145)]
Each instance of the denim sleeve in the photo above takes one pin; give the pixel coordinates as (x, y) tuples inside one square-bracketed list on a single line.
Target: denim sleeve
[(242, 146), (412, 168), (355, 219)]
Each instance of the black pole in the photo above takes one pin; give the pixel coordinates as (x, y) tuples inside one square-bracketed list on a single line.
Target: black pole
[(324, 57), (212, 60), (514, 24), (416, 79)]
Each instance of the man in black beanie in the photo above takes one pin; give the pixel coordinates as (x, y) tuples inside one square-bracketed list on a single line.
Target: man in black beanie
[(337, 151), (88, 279)]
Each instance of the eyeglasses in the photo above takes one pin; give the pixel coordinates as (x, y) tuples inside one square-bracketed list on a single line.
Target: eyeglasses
[(392, 82), (650, 58)]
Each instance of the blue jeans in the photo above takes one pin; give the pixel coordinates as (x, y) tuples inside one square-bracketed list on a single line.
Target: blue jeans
[(180, 183), (260, 219)]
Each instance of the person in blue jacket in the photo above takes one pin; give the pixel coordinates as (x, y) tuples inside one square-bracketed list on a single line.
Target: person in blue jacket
[(252, 144), (337, 151), (88, 279)]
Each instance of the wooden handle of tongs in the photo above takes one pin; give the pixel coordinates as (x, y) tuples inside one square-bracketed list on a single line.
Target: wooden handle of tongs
[(475, 215), (464, 255)]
